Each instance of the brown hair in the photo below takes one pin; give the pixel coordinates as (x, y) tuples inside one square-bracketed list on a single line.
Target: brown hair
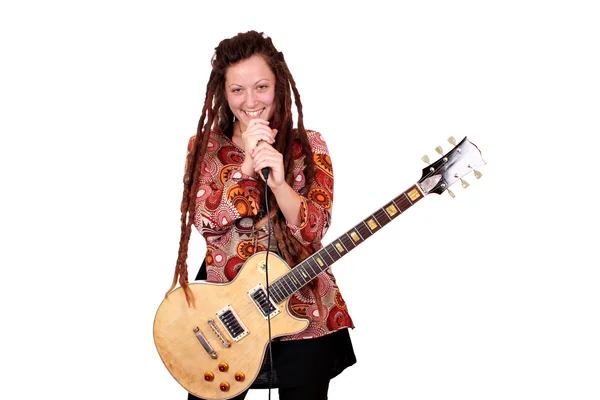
[(217, 115)]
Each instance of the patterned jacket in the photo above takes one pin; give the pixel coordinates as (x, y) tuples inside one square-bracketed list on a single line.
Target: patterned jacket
[(228, 207)]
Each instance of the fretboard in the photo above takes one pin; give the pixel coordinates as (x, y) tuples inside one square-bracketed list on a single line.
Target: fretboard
[(308, 269)]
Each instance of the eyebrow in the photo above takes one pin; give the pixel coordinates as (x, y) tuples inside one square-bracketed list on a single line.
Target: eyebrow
[(256, 83)]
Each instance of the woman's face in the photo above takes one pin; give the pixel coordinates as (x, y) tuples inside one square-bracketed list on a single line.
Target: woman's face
[(250, 90)]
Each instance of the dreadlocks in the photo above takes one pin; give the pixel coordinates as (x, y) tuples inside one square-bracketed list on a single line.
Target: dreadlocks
[(217, 115)]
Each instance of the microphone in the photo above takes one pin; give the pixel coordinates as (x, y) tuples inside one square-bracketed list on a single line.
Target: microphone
[(265, 172)]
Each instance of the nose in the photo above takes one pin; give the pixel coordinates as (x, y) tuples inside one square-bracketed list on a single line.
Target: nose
[(251, 99)]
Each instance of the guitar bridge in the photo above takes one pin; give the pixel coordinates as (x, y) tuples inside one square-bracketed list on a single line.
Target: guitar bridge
[(217, 332), (232, 323), (202, 339)]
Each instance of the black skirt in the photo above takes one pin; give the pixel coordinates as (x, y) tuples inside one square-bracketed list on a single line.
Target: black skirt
[(304, 361)]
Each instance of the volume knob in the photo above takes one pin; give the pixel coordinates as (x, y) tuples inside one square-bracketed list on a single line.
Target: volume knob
[(209, 376), (223, 367), (239, 376), (224, 386)]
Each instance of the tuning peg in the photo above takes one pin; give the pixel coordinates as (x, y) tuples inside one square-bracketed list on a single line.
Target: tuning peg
[(451, 193), (425, 158), (452, 141), (477, 174), (439, 150), (464, 183)]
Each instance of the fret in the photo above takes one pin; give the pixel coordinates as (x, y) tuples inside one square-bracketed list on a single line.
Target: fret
[(324, 258), (276, 287), (286, 286), (276, 293), (413, 194), (299, 276), (408, 200), (333, 253), (311, 263), (391, 210), (303, 277), (399, 202), (290, 283), (356, 236), (404, 199), (295, 280), (321, 262), (347, 241), (372, 224), (284, 291), (303, 272), (365, 232), (400, 208), (386, 214), (381, 218), (279, 289), (339, 246), (301, 269)]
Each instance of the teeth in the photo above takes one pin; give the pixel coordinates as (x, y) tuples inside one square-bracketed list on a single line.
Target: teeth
[(253, 113)]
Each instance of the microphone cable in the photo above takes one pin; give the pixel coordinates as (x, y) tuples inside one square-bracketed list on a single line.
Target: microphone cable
[(265, 174)]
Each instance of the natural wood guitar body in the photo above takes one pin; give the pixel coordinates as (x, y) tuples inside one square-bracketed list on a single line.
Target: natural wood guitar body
[(184, 355)]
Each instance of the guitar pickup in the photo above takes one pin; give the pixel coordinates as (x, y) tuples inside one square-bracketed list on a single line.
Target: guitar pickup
[(267, 308), (232, 323)]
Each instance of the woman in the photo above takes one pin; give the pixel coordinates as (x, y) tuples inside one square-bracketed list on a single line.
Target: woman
[(246, 127)]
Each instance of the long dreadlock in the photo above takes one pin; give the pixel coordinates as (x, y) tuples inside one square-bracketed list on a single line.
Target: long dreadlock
[(217, 115)]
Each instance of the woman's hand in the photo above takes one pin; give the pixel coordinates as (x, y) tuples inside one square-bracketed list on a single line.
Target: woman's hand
[(265, 156), (289, 202), (257, 130)]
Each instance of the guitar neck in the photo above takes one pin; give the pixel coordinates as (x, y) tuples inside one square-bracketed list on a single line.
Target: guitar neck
[(308, 269)]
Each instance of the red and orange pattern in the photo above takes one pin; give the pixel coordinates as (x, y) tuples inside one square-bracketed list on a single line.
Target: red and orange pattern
[(227, 207)]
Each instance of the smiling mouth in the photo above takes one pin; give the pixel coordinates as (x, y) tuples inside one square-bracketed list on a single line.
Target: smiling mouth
[(254, 114)]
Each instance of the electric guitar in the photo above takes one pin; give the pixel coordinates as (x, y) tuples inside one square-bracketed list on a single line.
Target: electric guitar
[(217, 350)]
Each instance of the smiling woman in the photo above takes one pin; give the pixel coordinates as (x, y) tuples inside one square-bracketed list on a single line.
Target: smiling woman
[(247, 127)]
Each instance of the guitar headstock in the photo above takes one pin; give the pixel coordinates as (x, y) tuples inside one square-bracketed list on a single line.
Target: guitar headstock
[(463, 159)]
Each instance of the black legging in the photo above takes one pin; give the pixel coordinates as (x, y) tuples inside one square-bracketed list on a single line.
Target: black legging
[(313, 391)]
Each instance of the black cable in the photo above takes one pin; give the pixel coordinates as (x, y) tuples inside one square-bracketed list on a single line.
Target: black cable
[(265, 173)]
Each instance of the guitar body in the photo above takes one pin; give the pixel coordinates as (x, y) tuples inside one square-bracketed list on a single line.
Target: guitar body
[(224, 368)]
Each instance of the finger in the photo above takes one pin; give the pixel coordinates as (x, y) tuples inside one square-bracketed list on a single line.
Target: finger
[(257, 121), (263, 147), (258, 132), (255, 146), (258, 139), (268, 158)]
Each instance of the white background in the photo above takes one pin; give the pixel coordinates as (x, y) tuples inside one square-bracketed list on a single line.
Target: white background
[(490, 295)]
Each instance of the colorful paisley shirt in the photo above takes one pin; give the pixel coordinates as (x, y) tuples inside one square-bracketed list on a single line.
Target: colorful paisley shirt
[(228, 207)]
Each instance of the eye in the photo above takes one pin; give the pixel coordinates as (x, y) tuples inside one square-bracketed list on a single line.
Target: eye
[(262, 87), (236, 90)]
